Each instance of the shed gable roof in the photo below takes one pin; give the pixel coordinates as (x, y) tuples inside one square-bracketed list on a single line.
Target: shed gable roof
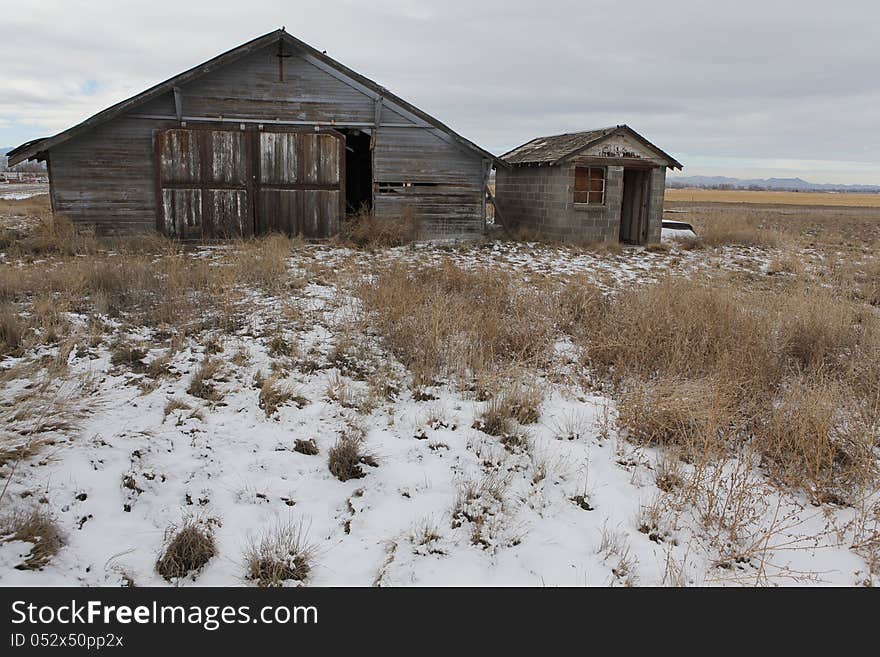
[(38, 147), (556, 148)]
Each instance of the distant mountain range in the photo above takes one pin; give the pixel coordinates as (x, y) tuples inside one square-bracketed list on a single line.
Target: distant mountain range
[(781, 184)]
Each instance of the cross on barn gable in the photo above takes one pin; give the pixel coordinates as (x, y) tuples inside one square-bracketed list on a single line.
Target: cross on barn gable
[(281, 57)]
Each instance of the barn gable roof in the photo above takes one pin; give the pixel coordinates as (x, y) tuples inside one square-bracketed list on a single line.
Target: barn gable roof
[(37, 148), (556, 148)]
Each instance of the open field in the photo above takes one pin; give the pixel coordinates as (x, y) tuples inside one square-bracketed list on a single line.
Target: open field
[(23, 190), (768, 198), (280, 413)]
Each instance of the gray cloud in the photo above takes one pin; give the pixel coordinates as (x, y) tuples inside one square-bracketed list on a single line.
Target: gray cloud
[(754, 80)]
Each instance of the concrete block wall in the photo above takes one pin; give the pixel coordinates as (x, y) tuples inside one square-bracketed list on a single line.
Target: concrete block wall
[(655, 208), (541, 199), (530, 197), (596, 223)]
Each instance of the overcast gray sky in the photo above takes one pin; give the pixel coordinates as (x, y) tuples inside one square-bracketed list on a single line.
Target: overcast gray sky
[(747, 88)]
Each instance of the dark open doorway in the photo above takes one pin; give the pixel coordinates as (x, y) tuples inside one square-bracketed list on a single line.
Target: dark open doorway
[(634, 206), (358, 172)]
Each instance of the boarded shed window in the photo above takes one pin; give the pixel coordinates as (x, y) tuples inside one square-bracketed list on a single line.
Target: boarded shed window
[(589, 185)]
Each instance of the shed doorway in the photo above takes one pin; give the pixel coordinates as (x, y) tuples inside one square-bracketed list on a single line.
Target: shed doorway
[(358, 171), (634, 206)]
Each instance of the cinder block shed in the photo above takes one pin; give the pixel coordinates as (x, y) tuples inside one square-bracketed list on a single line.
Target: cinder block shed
[(597, 185)]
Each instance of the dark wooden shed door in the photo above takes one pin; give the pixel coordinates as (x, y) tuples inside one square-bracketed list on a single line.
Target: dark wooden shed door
[(227, 183), (205, 179), (301, 183)]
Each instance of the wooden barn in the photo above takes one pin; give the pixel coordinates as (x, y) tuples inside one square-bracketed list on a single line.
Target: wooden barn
[(270, 136), (596, 185)]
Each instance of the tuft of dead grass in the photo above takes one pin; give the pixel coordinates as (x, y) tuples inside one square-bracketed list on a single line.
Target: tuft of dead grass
[(175, 405), (54, 234), (128, 354), (517, 404), (347, 456), (479, 506), (579, 304), (308, 447), (202, 384), (189, 547), (12, 331), (686, 329), (282, 554), (263, 262), (274, 393), (367, 231), (37, 528), (811, 439), (690, 415)]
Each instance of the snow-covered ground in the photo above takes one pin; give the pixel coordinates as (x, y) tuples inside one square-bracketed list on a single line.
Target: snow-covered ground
[(578, 506), (16, 192)]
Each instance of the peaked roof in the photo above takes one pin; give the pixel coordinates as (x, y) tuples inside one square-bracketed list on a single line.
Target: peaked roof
[(555, 148), (38, 147)]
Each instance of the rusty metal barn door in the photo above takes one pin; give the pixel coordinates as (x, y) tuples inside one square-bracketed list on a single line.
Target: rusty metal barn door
[(301, 182), (205, 182)]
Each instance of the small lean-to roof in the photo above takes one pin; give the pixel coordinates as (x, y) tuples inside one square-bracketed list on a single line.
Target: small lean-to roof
[(555, 148), (38, 147)]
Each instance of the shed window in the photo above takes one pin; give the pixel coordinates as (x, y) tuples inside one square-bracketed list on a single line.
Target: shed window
[(589, 185)]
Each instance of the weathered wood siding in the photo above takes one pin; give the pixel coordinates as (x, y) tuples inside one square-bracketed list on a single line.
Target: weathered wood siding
[(205, 179), (107, 176), (417, 171), (300, 185)]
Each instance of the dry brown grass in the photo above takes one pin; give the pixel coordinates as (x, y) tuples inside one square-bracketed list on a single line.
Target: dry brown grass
[(280, 555), (517, 404), (832, 229), (129, 354), (189, 547), (35, 527), (812, 439), (175, 405), (366, 231), (703, 366), (741, 230), (203, 384), (263, 262), (579, 303), (768, 197), (681, 328), (308, 447), (445, 321), (12, 331), (273, 394), (38, 232), (347, 456), (533, 234), (25, 207), (691, 415), (480, 506), (150, 281)]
